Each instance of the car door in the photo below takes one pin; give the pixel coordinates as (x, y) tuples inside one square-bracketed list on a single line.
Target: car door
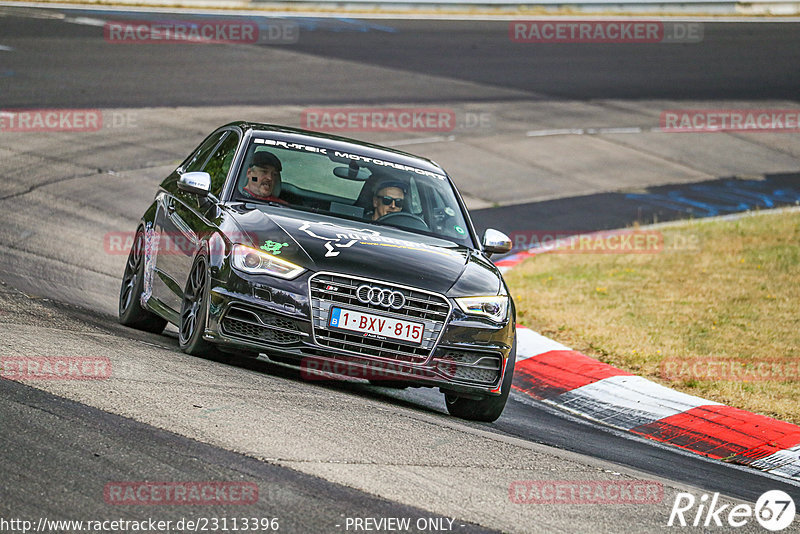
[(183, 218)]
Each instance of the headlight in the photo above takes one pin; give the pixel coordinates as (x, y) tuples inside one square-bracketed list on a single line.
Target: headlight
[(255, 261), (492, 307)]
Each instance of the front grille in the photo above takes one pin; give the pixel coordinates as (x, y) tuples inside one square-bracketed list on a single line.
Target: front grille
[(329, 290), (260, 326), (475, 367)]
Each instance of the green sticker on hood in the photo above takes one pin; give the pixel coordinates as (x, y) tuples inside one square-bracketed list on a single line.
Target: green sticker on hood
[(273, 247)]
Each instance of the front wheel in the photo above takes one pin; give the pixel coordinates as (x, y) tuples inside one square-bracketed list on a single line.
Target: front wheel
[(487, 409), (193, 312), (131, 312)]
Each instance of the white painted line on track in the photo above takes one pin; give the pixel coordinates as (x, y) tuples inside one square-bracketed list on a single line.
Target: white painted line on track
[(557, 131), (5, 48), (623, 130), (421, 140), (592, 131), (85, 21)]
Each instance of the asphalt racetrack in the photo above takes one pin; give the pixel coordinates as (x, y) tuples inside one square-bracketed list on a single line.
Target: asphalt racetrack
[(548, 136)]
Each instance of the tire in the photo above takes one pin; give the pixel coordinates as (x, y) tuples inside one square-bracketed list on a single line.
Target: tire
[(131, 312), (193, 312), (488, 409)]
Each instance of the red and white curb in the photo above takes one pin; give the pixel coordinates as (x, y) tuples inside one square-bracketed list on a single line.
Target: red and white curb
[(576, 383), (558, 376)]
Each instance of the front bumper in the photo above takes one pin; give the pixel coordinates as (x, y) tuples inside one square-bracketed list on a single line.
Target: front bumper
[(285, 320)]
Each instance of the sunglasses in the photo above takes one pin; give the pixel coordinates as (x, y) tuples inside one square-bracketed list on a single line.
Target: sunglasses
[(388, 201)]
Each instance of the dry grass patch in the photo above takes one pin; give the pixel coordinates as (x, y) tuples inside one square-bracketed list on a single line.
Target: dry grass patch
[(734, 297)]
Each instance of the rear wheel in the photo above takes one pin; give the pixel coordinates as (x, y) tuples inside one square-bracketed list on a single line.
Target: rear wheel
[(193, 312), (131, 312), (487, 409)]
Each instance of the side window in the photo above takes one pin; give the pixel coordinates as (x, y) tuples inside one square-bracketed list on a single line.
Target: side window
[(220, 163), (200, 156)]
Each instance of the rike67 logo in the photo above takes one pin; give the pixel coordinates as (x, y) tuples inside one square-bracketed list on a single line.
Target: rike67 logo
[(774, 510)]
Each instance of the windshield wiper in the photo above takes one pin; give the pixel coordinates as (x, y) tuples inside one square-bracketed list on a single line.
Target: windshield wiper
[(250, 204)]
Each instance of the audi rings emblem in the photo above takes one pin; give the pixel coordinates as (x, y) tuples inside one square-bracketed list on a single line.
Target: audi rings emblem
[(380, 297)]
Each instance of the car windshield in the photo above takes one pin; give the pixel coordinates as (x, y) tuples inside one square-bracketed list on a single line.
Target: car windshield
[(351, 186)]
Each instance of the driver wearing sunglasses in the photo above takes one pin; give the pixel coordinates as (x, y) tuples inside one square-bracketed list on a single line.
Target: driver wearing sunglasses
[(388, 198)]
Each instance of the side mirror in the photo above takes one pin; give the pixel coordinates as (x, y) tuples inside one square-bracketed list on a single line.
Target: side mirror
[(495, 242), (197, 183)]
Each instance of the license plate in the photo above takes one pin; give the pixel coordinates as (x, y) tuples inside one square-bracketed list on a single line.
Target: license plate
[(376, 325)]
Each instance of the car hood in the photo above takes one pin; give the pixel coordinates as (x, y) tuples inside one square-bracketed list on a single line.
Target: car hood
[(323, 243)]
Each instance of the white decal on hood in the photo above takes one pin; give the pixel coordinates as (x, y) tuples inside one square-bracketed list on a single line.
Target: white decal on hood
[(331, 242), (338, 237)]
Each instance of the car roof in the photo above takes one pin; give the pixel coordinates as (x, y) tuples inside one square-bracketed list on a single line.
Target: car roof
[(343, 144)]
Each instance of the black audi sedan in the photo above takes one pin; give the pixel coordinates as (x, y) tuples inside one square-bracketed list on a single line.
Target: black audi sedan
[(343, 258)]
